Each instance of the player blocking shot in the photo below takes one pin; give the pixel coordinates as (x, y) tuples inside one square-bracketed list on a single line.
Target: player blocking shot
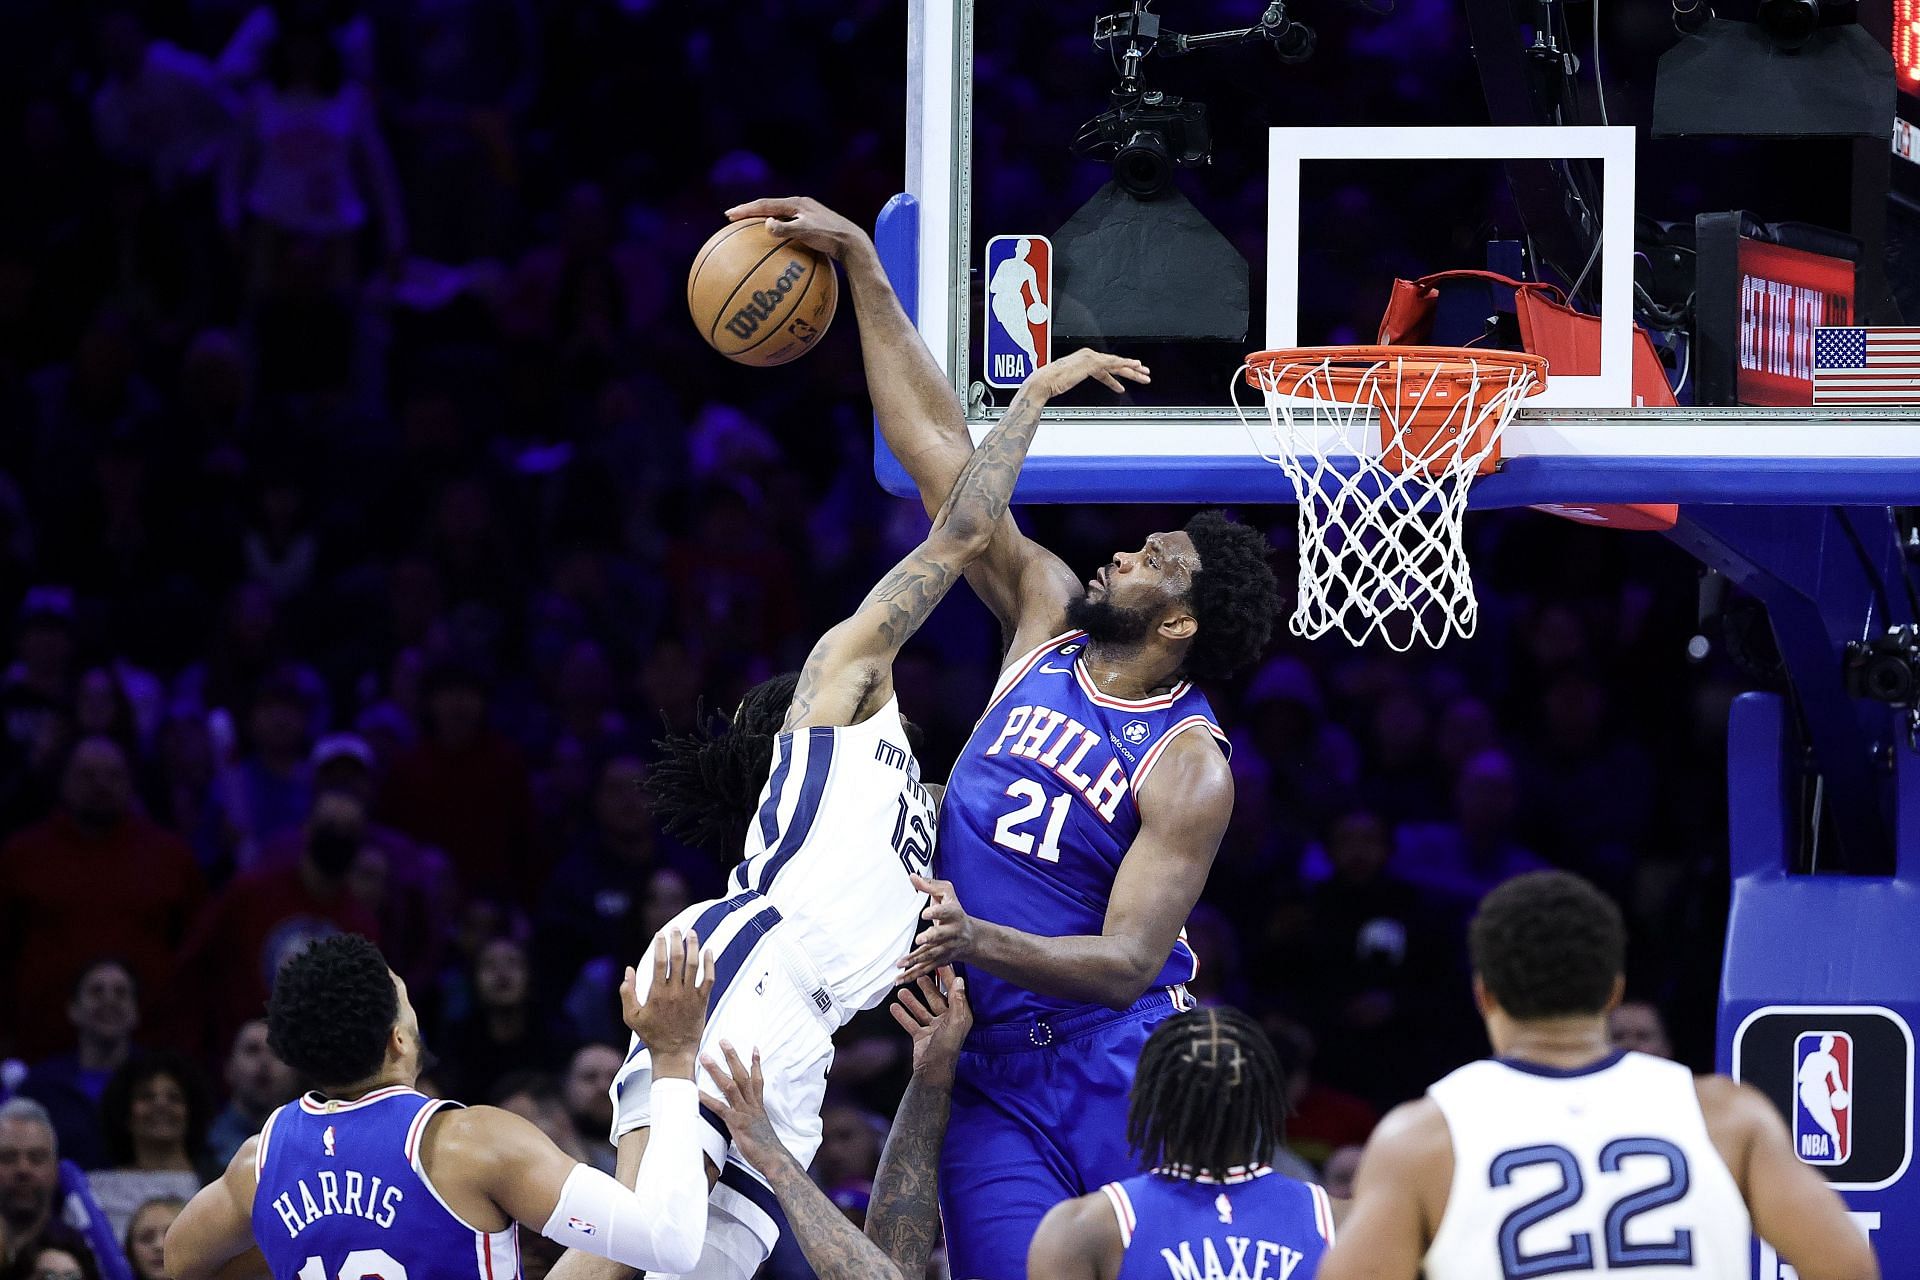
[(366, 1178), (1563, 1156), (1081, 818), (1207, 1113), (815, 784)]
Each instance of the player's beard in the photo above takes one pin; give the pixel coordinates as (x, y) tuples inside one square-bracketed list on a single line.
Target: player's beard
[(1107, 623)]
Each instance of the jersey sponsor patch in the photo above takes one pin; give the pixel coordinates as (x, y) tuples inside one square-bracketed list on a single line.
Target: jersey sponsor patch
[(1136, 731)]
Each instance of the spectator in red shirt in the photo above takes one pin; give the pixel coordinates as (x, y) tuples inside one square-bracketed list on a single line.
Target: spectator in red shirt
[(96, 878), (464, 788), (269, 915)]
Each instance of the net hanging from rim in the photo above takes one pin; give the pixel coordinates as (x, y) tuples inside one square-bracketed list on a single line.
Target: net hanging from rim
[(1382, 445)]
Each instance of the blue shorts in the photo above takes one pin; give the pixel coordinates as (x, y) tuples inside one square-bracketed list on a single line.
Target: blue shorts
[(1039, 1116)]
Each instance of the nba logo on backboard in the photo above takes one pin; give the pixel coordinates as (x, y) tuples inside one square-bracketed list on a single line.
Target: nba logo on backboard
[(1019, 310), (1823, 1087)]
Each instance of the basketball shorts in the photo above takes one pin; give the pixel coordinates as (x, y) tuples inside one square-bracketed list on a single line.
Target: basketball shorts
[(1039, 1116), (766, 996)]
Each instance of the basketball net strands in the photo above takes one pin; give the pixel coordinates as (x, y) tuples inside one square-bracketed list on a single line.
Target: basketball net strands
[(1381, 446)]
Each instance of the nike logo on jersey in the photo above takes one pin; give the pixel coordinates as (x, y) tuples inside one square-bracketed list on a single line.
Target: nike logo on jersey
[(1061, 743), (1052, 670)]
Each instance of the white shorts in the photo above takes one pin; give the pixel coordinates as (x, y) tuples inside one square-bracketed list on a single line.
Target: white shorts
[(766, 996)]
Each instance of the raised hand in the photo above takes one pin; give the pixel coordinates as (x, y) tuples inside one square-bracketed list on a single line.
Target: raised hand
[(948, 936), (742, 1105), (1067, 372), (674, 1014), (938, 1018), (806, 220)]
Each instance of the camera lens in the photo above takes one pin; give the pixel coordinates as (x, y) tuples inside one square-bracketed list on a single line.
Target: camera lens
[(1888, 678), (1143, 168)]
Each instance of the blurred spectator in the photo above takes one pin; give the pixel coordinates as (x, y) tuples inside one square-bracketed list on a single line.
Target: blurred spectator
[(1321, 1117), (592, 1003), (247, 932), (257, 1082), (413, 908), (535, 1096), (55, 1262), (1337, 1174), (589, 1100), (464, 788), (147, 1237), (30, 1180), (95, 878), (1637, 1025), (595, 898), (155, 1117), (849, 1154), (1589, 793), (1462, 859), (159, 110), (310, 168), (504, 1032), (34, 696), (104, 1012), (278, 784), (1373, 966)]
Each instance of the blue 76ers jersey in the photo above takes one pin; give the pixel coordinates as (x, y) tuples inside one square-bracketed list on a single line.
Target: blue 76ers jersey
[(1041, 808), (343, 1195), (1257, 1223)]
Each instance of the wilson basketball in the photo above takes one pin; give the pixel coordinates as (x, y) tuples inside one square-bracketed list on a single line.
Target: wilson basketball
[(758, 299)]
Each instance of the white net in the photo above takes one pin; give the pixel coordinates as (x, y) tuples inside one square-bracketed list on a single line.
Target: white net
[(1381, 453)]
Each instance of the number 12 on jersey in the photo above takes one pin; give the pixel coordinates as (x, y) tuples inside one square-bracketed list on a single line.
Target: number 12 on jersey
[(1007, 833)]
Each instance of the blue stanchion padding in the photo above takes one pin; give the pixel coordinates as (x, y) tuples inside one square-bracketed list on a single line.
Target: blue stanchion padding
[(1821, 988)]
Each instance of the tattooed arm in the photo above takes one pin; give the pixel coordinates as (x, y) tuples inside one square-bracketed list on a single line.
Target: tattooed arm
[(850, 671), (903, 1218)]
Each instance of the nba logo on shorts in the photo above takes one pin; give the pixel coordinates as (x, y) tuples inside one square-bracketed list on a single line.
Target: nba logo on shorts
[(1823, 1105), (1019, 310)]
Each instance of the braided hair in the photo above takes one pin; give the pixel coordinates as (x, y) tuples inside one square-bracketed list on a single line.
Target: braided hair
[(706, 781), (1209, 1095)]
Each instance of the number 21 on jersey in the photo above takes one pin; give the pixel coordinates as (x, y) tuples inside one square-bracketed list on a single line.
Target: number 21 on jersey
[(1007, 832)]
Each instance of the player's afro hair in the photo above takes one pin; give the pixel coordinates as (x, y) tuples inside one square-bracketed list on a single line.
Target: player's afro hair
[(1548, 944), (1234, 596), (706, 782), (332, 1009)]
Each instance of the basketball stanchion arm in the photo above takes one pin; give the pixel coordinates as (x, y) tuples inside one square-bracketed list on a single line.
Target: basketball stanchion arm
[(1827, 575)]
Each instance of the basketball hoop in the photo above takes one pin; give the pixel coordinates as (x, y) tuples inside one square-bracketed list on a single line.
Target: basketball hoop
[(1381, 445)]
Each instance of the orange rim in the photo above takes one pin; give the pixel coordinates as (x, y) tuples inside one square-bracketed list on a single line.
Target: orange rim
[(1343, 368)]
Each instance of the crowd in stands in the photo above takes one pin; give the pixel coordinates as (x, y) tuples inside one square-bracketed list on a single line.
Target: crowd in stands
[(368, 508)]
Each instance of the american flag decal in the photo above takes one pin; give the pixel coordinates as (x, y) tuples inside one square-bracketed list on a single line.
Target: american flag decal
[(1854, 365)]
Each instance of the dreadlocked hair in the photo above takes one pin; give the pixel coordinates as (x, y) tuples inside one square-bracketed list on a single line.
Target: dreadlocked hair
[(1209, 1095), (706, 781), (1234, 596)]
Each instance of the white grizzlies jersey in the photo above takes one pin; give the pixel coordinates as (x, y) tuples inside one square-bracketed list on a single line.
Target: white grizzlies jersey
[(841, 821), (1604, 1170)]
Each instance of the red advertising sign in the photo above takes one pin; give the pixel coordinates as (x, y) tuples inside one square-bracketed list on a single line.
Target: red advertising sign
[(1785, 294)]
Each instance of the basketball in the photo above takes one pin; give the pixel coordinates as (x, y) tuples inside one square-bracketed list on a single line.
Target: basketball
[(1037, 313), (758, 299), (1840, 1098)]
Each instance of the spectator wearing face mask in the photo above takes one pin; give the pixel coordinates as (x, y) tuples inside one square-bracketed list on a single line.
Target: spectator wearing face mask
[(104, 1012), (268, 915), (257, 1082), (97, 878)]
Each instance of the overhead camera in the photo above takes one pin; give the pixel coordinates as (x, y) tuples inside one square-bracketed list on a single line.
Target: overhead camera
[(1148, 135), (1886, 668)]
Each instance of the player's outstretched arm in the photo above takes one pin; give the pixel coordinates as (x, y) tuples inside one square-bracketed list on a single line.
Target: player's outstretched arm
[(903, 1219), (1183, 815), (1025, 585), (1399, 1193), (1793, 1208), (216, 1227), (850, 671), (1079, 1239), (903, 1215), (661, 1224)]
